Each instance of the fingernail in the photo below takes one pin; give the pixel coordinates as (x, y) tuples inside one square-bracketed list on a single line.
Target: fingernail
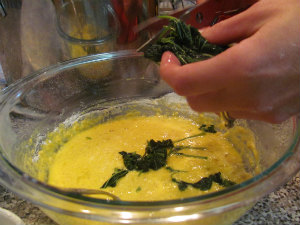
[(169, 58)]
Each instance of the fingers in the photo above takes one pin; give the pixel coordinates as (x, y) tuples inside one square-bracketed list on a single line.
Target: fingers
[(211, 102), (243, 102), (277, 116), (243, 108), (238, 27), (257, 78), (227, 99), (253, 116), (258, 97), (216, 73), (200, 77)]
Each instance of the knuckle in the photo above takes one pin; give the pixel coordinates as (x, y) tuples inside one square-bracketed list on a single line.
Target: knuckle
[(275, 118), (179, 86), (193, 105), (248, 65), (262, 104), (269, 113), (263, 108), (192, 102), (174, 78), (164, 72)]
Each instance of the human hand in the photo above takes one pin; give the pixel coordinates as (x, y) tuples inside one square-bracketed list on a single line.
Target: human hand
[(257, 78)]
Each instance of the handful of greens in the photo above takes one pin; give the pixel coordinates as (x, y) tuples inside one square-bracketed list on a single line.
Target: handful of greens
[(188, 45), (184, 41)]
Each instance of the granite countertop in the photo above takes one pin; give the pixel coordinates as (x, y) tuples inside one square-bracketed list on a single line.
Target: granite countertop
[(281, 207)]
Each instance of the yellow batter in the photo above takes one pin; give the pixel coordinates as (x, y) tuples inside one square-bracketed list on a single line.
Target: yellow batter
[(91, 156)]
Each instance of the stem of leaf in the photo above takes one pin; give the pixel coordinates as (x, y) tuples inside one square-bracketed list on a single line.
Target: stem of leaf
[(191, 156), (196, 135), (168, 17), (178, 148), (164, 32)]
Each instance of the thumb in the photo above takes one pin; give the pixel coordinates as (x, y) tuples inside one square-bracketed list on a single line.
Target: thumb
[(168, 66), (168, 58)]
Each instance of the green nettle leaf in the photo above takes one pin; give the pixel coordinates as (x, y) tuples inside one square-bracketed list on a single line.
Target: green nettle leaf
[(189, 156), (155, 157), (117, 175), (184, 41), (205, 183), (173, 171), (155, 52), (216, 178), (156, 153), (130, 160), (138, 189), (182, 185), (227, 183), (208, 129)]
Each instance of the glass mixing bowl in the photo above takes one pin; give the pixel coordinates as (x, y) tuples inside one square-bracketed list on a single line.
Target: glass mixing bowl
[(37, 104)]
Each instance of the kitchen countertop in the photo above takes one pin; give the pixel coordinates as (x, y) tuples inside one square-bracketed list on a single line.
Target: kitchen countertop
[(281, 207)]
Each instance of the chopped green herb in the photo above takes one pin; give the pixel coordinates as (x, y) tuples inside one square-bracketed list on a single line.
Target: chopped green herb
[(227, 183), (205, 183), (184, 41), (216, 178), (116, 176), (156, 153), (155, 157), (191, 156), (180, 147), (176, 149), (173, 170), (138, 189), (89, 138), (223, 182), (181, 184), (189, 137), (208, 129), (130, 160)]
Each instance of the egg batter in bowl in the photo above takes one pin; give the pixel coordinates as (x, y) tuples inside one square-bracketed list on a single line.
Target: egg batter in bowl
[(158, 156)]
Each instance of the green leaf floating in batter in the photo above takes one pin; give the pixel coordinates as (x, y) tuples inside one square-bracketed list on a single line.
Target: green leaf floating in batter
[(205, 183), (209, 129), (117, 175), (155, 156)]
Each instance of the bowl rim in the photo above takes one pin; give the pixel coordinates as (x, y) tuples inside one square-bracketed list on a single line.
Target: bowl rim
[(95, 202)]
